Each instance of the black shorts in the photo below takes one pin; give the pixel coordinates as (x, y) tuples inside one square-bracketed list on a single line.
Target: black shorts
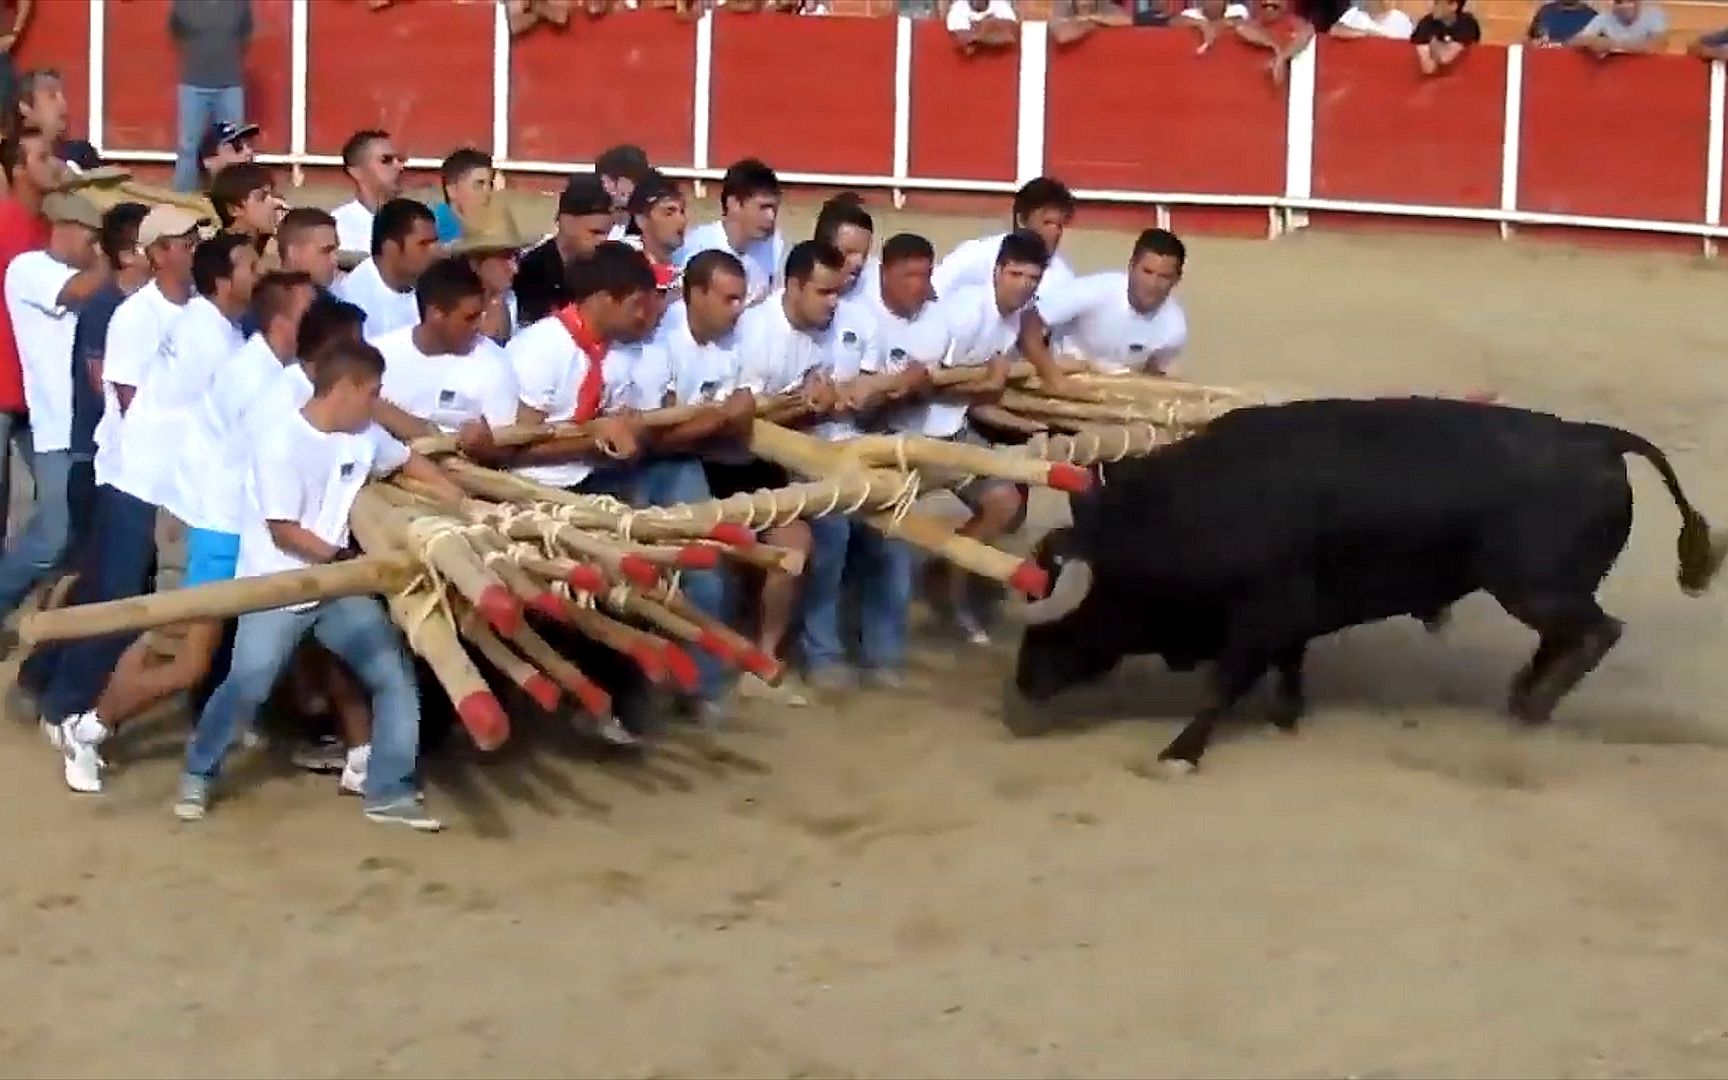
[(726, 479)]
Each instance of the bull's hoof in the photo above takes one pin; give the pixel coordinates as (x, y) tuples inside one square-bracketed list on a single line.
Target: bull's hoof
[(1024, 719), (1175, 768)]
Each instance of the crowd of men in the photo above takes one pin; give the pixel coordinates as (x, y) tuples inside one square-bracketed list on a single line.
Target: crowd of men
[(203, 400)]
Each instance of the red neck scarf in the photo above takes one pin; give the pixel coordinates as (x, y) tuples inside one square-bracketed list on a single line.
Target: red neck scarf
[(593, 346)]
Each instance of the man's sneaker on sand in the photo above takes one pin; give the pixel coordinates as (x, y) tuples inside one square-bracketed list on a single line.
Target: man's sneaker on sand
[(194, 798), (882, 679), (325, 755), (352, 782), (830, 679), (407, 812), (788, 692), (969, 625), (80, 737)]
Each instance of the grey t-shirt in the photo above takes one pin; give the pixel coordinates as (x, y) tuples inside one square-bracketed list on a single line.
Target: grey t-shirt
[(212, 36), (1649, 22)]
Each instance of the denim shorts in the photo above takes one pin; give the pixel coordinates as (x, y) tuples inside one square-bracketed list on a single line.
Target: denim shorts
[(210, 556)]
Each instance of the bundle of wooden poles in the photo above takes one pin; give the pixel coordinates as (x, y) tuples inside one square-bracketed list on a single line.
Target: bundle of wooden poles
[(476, 587)]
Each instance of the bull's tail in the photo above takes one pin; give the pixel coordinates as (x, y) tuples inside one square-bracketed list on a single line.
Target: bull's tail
[(1701, 552)]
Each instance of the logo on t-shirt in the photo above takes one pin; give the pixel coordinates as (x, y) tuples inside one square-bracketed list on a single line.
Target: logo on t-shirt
[(446, 397), (848, 338), (896, 354), (1136, 348), (347, 470)]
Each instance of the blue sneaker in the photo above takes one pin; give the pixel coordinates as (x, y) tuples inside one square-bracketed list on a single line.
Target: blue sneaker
[(194, 798)]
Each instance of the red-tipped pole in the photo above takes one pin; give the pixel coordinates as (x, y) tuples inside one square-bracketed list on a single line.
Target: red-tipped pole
[(1029, 579), (732, 534), (639, 570), (595, 701), (716, 645), (543, 690), (761, 665), (1070, 478), (698, 557), (551, 605), (585, 578), (484, 718), (501, 610), (681, 667), (648, 658)]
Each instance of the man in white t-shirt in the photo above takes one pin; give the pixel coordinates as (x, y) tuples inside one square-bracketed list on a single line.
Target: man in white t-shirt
[(1373, 19), (1117, 322), (658, 222), (306, 473), (373, 163), (214, 452), (1043, 206), (1212, 17), (984, 328), (132, 465), (43, 290), (983, 23), (404, 244), (749, 213)]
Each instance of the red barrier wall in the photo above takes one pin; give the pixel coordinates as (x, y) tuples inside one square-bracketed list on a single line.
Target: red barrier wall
[(1622, 136), (58, 36), (140, 77), (424, 74), (965, 109), (636, 85), (809, 95), (1384, 132), (1143, 112)]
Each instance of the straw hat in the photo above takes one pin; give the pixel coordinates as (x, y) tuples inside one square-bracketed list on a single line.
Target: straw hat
[(494, 234)]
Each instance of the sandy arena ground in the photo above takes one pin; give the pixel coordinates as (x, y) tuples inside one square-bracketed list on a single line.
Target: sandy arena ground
[(897, 888)]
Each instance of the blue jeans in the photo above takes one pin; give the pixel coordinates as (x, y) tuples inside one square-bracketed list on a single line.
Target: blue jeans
[(199, 107), (358, 631), (884, 590), (662, 482), (14, 435), (47, 536), (116, 564)]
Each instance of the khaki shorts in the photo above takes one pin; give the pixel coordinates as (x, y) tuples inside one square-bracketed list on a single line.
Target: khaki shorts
[(972, 491)]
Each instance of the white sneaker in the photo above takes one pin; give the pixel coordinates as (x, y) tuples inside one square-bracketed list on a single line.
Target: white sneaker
[(83, 763), (55, 737), (352, 782)]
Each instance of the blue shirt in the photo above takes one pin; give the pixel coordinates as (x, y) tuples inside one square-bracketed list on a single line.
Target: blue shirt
[(1559, 23), (449, 228), (89, 341)]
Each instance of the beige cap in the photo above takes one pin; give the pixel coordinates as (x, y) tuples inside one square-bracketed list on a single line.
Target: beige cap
[(164, 222), (496, 233), (63, 207)]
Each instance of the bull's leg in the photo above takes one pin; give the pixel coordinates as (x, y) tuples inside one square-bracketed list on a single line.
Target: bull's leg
[(1289, 696), (1576, 634), (1232, 677)]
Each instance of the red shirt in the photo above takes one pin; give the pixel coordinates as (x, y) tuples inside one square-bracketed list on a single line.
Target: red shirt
[(20, 230)]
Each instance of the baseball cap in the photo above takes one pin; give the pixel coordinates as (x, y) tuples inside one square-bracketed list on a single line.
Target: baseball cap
[(164, 222), (63, 207), (224, 134), (650, 190), (583, 196)]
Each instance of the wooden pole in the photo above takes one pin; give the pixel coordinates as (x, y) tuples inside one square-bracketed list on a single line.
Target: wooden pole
[(527, 678), (594, 701), (432, 635), (912, 451), (220, 600)]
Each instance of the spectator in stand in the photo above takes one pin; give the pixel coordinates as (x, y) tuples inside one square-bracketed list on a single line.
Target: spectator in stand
[(404, 244), (1711, 46), (212, 40), (584, 219), (9, 43), (1275, 27), (1373, 19), (1212, 16), (31, 172), (1076, 19), (224, 145), (41, 104), (918, 9), (620, 169), (371, 161), (1443, 34), (466, 179), (1628, 26), (990, 24), (1557, 22)]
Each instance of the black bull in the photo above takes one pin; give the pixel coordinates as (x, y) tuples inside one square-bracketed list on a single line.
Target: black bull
[(1280, 524)]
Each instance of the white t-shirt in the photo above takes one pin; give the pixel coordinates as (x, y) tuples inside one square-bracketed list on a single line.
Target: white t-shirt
[(703, 373), (448, 390), (353, 226), (549, 369), (851, 352), (137, 335), (775, 356), (974, 263), (43, 328), (210, 482), (978, 333), (1091, 319), (1231, 11), (195, 357), (1392, 23), (386, 309), (310, 477), (963, 16), (922, 339), (283, 395), (764, 261)]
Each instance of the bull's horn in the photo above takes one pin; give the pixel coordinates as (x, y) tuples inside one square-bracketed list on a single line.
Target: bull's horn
[(1073, 582)]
